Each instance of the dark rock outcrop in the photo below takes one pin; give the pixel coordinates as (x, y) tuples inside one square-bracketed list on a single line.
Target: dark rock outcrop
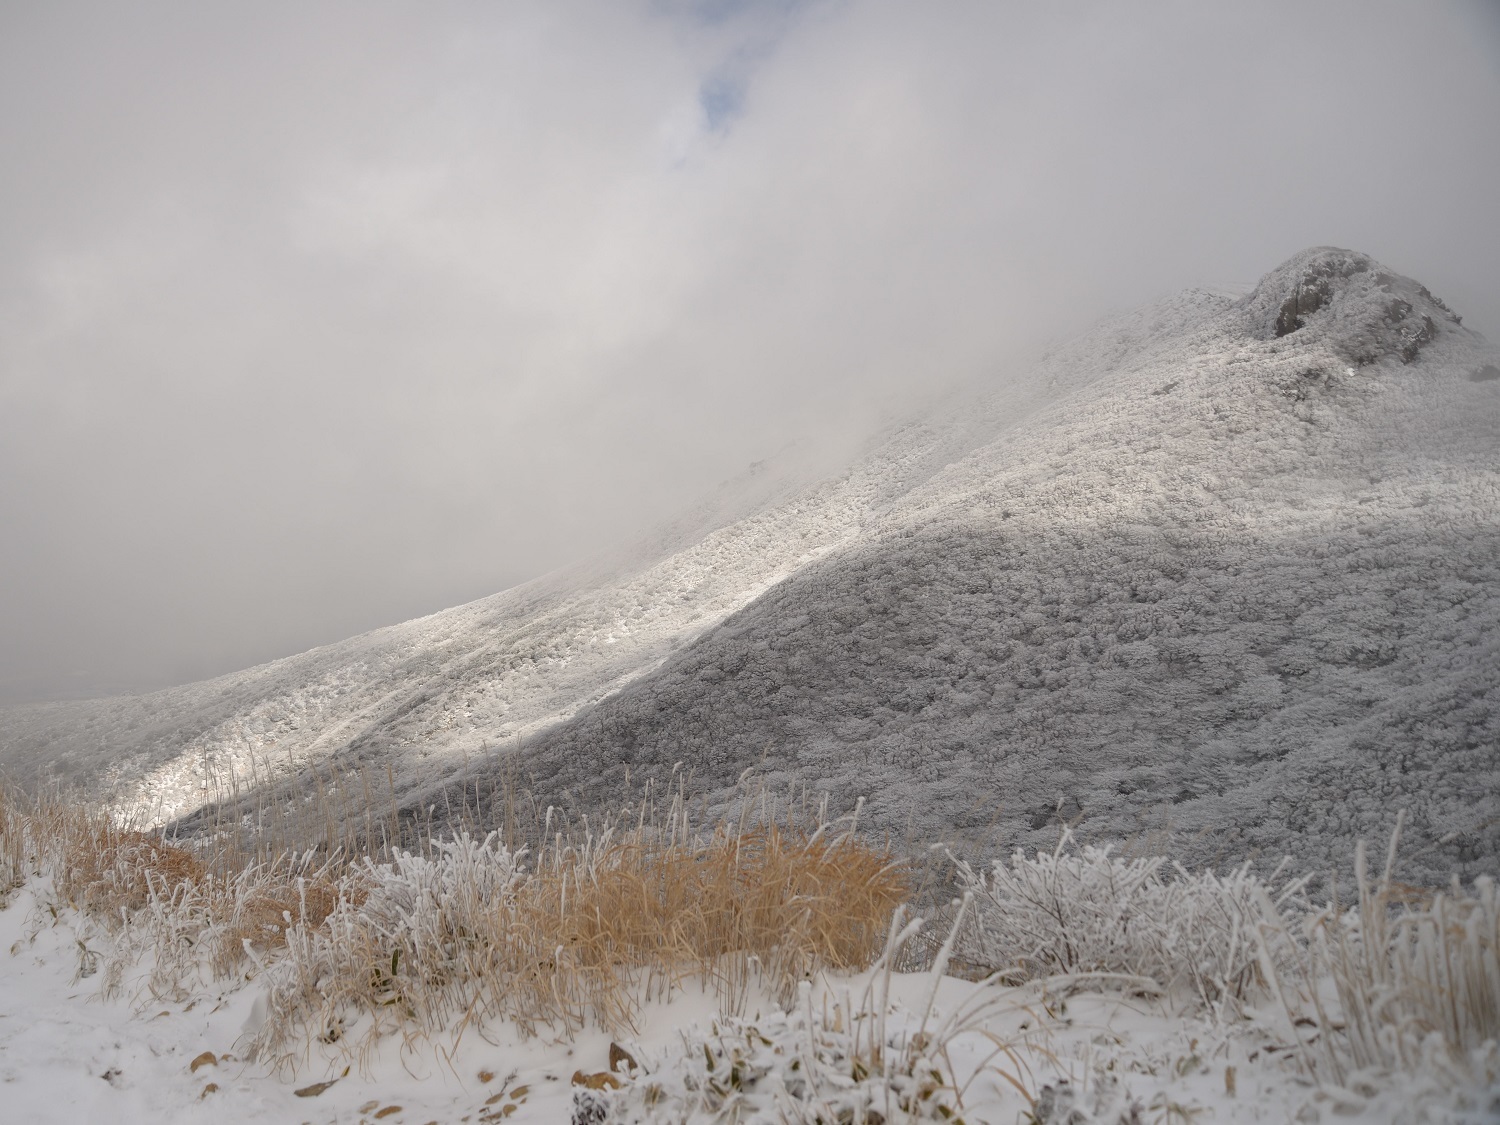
[(1369, 312)]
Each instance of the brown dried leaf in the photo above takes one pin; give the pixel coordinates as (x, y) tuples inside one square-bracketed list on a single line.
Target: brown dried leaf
[(603, 1080)]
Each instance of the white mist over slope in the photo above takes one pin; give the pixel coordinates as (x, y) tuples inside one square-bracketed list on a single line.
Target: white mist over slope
[(1223, 568), (1241, 595), (428, 694), (317, 319)]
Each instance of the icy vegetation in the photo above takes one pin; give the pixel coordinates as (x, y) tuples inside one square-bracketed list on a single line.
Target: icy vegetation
[(1220, 579), (666, 970)]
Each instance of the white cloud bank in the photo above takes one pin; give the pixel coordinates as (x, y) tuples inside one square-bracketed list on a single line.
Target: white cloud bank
[(312, 319)]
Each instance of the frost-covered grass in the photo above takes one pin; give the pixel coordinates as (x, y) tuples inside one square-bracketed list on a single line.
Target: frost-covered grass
[(797, 935), (1407, 981), (584, 936), (581, 932)]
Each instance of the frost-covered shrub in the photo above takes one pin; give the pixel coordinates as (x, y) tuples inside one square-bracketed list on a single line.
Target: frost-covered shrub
[(431, 906), (1085, 911), (415, 939)]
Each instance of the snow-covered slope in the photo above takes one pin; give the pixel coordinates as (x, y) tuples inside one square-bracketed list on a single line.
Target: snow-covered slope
[(1243, 592), (426, 696), (1224, 568)]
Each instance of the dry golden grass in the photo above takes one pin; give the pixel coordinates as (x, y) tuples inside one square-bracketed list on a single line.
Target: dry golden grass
[(594, 928), (14, 865), (106, 869), (262, 911), (122, 877), (785, 900), (586, 936), (266, 914)]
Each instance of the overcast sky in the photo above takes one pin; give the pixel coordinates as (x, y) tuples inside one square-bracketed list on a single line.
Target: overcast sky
[(318, 316)]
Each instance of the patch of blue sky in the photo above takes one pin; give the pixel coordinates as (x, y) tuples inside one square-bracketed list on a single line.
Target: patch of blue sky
[(722, 97), (714, 12)]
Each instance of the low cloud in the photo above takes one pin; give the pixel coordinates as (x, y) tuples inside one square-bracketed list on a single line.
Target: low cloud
[(316, 319)]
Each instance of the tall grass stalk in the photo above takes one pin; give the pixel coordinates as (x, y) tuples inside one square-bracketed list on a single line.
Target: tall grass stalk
[(1415, 975)]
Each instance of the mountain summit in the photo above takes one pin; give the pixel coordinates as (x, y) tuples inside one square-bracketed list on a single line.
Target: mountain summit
[(1225, 571), (1362, 311)]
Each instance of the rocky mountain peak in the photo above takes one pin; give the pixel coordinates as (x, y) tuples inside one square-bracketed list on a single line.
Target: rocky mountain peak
[(1363, 310)]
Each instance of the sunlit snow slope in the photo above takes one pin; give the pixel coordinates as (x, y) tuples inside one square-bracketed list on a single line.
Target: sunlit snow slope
[(1224, 568), (1239, 597), (429, 695)]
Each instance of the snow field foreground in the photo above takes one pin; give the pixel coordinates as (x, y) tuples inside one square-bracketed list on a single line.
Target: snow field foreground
[(747, 973)]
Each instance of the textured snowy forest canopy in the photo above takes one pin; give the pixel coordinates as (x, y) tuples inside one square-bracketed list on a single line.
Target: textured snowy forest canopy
[(1239, 599), (1219, 577)]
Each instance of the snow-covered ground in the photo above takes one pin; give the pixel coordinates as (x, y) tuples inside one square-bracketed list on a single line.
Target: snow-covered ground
[(68, 1054)]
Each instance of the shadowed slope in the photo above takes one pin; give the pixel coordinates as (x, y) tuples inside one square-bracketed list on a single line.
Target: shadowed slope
[(421, 698), (1246, 590)]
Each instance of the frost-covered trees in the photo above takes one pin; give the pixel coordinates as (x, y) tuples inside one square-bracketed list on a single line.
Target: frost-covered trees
[(1240, 591)]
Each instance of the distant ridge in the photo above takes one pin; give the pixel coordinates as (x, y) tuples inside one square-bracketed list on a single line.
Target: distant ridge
[(1223, 570)]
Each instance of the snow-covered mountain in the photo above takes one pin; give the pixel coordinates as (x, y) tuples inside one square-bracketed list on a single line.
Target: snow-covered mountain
[(429, 694), (1226, 569)]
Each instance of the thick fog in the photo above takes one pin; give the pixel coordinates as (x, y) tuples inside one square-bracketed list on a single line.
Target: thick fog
[(317, 317)]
